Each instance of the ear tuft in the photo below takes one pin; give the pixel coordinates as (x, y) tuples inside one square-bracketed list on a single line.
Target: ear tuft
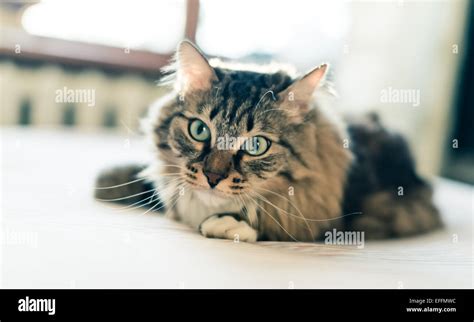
[(194, 71), (316, 76), (304, 88), (296, 98)]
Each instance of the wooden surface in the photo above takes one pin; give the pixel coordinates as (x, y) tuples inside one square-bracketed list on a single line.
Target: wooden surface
[(74, 53), (56, 236)]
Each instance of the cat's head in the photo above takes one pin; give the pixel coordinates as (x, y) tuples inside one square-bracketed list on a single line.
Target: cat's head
[(228, 130)]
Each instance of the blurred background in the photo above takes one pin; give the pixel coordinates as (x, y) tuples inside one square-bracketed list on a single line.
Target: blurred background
[(93, 66)]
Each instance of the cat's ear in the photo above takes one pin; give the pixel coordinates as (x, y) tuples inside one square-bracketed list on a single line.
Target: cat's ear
[(194, 72), (297, 96)]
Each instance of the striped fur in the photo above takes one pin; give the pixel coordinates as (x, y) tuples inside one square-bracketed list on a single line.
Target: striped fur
[(306, 182)]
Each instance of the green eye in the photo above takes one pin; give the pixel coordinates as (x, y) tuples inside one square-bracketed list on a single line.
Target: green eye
[(199, 130), (257, 145)]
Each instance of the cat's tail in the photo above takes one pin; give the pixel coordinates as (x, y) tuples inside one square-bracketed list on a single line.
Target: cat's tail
[(386, 214), (393, 200), (122, 184)]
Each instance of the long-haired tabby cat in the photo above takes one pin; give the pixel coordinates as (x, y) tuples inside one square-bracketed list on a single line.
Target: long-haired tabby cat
[(248, 153)]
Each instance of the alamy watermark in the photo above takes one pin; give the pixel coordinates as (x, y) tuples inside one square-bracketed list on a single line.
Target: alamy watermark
[(335, 237), (233, 143), (392, 95), (37, 305), (68, 95), (11, 237)]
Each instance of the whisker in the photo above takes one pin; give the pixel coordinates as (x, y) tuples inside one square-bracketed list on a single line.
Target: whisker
[(310, 220), (338, 217), (169, 182), (172, 165), (276, 221), (292, 215), (241, 197), (159, 192), (128, 129), (281, 196), (164, 205), (264, 94), (120, 185), (183, 184), (289, 201), (126, 197), (135, 203), (165, 185)]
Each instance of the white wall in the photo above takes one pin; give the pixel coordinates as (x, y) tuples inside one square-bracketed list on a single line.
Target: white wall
[(405, 45)]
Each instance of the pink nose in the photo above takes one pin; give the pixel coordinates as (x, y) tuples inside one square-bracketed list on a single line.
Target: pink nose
[(214, 178)]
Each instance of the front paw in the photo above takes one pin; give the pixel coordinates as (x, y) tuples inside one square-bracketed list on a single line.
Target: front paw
[(227, 227)]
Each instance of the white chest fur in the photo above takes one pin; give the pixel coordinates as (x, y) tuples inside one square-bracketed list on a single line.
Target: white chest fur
[(193, 206)]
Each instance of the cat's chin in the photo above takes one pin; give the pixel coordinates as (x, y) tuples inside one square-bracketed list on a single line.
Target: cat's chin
[(211, 197)]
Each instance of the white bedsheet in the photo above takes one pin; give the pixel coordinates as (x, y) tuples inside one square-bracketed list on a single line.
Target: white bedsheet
[(56, 236)]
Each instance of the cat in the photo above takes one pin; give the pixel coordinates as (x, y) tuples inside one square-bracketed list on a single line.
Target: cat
[(295, 169)]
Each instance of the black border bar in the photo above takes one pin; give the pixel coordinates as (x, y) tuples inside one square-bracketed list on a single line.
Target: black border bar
[(292, 305)]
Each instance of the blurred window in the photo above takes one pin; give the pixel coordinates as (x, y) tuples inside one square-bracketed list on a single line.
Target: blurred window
[(110, 117), (69, 115), (302, 32), (149, 25), (24, 117)]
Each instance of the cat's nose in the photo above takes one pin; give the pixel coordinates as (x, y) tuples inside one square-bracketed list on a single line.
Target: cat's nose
[(214, 178)]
